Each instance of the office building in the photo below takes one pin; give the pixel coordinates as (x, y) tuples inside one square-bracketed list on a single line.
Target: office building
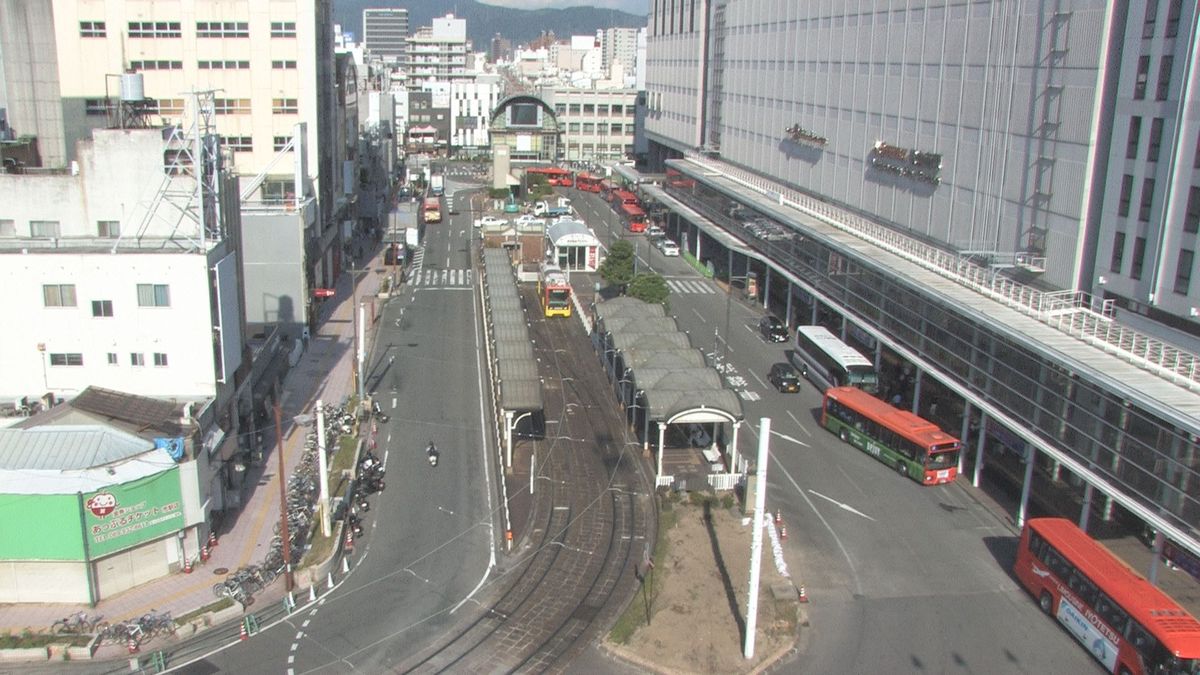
[(385, 34)]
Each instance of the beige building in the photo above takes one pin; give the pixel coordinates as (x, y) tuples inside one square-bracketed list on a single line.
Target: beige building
[(597, 123)]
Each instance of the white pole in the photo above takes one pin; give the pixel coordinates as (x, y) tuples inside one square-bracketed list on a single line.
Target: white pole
[(756, 534), (362, 352), (532, 468), (323, 468)]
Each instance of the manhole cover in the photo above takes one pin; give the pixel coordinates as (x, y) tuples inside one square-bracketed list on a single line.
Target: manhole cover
[(221, 570)]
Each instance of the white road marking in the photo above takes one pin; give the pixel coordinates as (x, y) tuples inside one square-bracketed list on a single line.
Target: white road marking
[(785, 437), (840, 505), (802, 427)]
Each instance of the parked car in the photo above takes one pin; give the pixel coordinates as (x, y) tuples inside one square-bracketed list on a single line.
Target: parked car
[(667, 247), (784, 377), (772, 329), (654, 231), (526, 219), (490, 221)]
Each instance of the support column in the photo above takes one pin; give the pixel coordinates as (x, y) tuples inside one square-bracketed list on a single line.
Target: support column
[(964, 436), (662, 433), (1085, 511), (812, 320), (733, 452), (918, 375), (1026, 485), (766, 302), (508, 417), (787, 319), (983, 423)]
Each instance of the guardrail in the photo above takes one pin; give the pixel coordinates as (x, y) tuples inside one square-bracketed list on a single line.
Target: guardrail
[(1071, 312)]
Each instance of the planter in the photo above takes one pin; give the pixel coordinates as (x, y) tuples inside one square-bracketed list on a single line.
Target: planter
[(83, 653), (25, 654)]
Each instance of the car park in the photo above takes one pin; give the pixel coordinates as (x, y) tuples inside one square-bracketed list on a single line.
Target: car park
[(667, 247), (490, 221), (772, 329), (784, 377)]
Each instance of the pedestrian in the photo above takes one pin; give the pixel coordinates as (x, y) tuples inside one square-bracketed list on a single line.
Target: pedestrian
[(896, 400)]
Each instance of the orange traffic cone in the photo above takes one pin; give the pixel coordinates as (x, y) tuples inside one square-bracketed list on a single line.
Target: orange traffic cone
[(778, 516), (782, 531), (204, 552), (245, 635), (349, 545), (803, 595), (212, 539), (187, 565), (133, 646)]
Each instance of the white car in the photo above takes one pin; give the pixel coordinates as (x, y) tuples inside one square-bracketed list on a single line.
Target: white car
[(490, 221), (667, 247), (654, 231), (527, 219)]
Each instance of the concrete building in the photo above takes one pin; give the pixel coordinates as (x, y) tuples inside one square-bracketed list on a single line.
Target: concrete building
[(385, 34), (940, 185), (438, 52), (598, 123), (620, 45), (471, 106)]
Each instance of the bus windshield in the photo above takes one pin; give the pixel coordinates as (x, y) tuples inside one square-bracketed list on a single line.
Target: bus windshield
[(942, 458), (863, 377), (556, 297)]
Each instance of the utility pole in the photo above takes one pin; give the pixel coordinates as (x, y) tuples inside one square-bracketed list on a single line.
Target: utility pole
[(756, 534), (288, 581), (323, 469)]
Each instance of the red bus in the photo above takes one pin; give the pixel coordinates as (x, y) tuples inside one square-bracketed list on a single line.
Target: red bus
[(619, 197), (634, 217), (607, 187), (554, 175), (678, 180), (431, 210), (916, 448), (1126, 622), (588, 183)]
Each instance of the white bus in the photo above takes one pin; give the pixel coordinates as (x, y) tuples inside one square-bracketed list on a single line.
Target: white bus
[(828, 362)]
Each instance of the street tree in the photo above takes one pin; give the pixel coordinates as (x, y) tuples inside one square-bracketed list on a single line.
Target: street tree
[(617, 268), (649, 287)]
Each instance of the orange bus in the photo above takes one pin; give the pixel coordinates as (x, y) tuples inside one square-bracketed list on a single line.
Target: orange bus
[(913, 446), (588, 183), (634, 217), (431, 210), (606, 188), (554, 175), (1125, 621), (619, 197)]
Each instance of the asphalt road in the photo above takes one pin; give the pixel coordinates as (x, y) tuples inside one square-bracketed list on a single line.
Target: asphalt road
[(429, 535), (901, 577)]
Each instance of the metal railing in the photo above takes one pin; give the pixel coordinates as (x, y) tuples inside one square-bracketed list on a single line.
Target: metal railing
[(1072, 312)]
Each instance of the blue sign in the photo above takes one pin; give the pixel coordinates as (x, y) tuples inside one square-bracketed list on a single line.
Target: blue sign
[(173, 446)]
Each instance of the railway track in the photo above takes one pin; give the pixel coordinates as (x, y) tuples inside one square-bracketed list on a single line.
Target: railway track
[(590, 519)]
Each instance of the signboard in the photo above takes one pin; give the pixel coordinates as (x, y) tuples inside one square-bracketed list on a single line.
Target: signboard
[(323, 292), (591, 257), (122, 516)]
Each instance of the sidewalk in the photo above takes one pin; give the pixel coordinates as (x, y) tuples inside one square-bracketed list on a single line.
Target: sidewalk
[(324, 372)]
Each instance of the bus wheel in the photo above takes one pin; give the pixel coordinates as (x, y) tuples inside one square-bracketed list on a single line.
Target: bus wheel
[(844, 436), (1045, 602), (901, 469)]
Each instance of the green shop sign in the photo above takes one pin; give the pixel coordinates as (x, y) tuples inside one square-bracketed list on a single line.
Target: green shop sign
[(122, 516)]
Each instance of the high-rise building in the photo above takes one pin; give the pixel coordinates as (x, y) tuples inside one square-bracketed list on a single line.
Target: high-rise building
[(438, 52), (619, 44), (385, 34), (972, 194)]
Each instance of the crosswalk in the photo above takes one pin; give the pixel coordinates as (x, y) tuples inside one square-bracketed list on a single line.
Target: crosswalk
[(454, 278), (692, 286)]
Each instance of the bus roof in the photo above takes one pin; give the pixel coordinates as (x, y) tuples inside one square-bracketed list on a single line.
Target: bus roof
[(552, 274), (916, 429), (432, 203), (841, 352), (549, 170), (624, 194), (1171, 624), (632, 210)]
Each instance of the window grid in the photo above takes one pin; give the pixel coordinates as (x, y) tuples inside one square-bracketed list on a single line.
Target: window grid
[(8, 227), (285, 106), (1139, 255), (58, 295), (283, 29), (1174, 9), (280, 142), (1135, 134), (1143, 74), (137, 359), (1156, 132), (1164, 77), (1191, 217), (66, 359), (153, 295), (223, 65), (161, 64), (1183, 271), (1126, 195), (231, 106), (238, 143), (284, 65), (112, 358), (108, 229), (155, 29), (222, 29), (92, 29), (1147, 202), (102, 308), (1118, 253), (160, 359), (45, 229), (1151, 18)]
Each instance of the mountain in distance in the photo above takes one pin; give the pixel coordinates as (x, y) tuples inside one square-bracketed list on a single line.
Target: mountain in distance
[(520, 26)]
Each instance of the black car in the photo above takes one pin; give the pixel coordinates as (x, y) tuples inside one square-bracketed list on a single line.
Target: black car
[(784, 377), (772, 329)]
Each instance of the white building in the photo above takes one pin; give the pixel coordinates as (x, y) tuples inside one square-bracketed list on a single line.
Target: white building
[(599, 123), (438, 51), (621, 44), (471, 106)]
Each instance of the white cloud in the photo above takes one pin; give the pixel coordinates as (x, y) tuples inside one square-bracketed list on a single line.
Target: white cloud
[(631, 6)]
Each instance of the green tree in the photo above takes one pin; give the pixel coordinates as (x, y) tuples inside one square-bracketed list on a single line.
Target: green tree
[(617, 268), (649, 287)]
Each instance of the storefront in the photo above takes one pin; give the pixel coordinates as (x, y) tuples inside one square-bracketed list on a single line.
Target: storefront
[(573, 246)]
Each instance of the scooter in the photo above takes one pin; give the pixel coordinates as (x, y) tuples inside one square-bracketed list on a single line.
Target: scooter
[(378, 411), (433, 454)]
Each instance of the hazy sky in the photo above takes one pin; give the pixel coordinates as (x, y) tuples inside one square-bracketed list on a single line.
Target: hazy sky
[(631, 6)]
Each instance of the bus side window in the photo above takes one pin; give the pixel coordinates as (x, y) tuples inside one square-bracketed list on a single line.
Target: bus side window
[(1111, 614), (1037, 545), (1141, 639), (1083, 587)]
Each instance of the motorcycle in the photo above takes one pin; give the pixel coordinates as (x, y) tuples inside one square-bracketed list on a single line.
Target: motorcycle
[(432, 452), (378, 412)]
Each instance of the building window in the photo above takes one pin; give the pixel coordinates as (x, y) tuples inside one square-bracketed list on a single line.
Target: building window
[(160, 359), (616, 129), (1191, 217), (1118, 253), (1151, 18), (58, 295), (137, 359), (602, 110), (238, 143), (589, 127), (572, 127), (231, 106), (45, 229), (167, 106), (155, 29), (1147, 200), (223, 65), (8, 227), (1139, 253), (1196, 156), (589, 109), (102, 308), (618, 110), (283, 29), (560, 109), (573, 109), (1126, 195), (283, 65), (1135, 135), (1164, 77), (1156, 129), (222, 29), (112, 358), (108, 229), (92, 29), (156, 65), (1174, 9), (93, 107), (153, 295), (1143, 74), (70, 359), (281, 142), (285, 106), (1183, 271)]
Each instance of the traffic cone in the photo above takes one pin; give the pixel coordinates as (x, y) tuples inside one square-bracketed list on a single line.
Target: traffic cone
[(212, 539), (132, 646), (330, 580), (803, 594), (204, 553), (345, 565), (778, 516), (245, 635), (312, 593), (187, 565), (782, 531)]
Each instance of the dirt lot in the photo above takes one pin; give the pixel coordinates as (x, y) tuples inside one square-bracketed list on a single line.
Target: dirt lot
[(698, 599)]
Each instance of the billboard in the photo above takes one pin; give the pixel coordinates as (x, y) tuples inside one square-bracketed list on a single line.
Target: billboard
[(126, 515)]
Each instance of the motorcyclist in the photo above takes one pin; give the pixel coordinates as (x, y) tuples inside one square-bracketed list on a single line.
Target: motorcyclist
[(432, 452)]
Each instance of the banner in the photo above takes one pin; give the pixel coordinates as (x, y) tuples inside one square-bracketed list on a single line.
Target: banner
[(123, 516)]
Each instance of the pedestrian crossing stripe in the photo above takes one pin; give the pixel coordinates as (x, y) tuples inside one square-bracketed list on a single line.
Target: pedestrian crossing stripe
[(454, 277), (749, 395), (690, 286)]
